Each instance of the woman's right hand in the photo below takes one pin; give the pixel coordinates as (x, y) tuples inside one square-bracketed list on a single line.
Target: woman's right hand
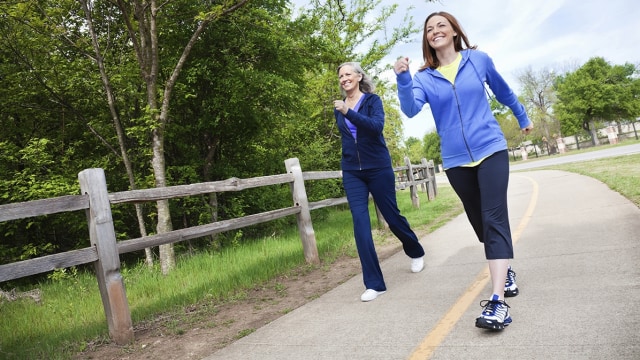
[(341, 106), (401, 65)]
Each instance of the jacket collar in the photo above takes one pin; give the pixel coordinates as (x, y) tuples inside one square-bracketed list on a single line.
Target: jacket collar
[(466, 53)]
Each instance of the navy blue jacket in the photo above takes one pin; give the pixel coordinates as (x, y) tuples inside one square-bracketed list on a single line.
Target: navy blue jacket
[(369, 149)]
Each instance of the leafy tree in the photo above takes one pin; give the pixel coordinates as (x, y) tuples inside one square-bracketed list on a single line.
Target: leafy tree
[(147, 22), (596, 92), (239, 103), (348, 31), (539, 95), (626, 108), (177, 92), (415, 150), (431, 147), (50, 124), (508, 123), (393, 129), (138, 74)]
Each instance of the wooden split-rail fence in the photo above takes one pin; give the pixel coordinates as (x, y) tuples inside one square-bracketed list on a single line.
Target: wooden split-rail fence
[(105, 251)]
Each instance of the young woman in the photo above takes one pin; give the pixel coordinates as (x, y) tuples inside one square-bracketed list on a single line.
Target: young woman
[(473, 147), (366, 168)]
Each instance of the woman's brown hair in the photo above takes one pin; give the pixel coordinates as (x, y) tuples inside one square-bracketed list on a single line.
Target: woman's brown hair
[(429, 54)]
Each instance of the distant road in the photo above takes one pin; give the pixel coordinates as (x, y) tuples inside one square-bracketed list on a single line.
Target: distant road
[(564, 159)]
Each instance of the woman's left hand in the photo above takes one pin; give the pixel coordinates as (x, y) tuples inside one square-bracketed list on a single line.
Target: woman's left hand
[(526, 130)]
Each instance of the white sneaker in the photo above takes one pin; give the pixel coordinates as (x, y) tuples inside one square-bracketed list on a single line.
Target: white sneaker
[(370, 294), (417, 264)]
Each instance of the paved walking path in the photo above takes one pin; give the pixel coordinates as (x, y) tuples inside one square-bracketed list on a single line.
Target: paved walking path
[(577, 246)]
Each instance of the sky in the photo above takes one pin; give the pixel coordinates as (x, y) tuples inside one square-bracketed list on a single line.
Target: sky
[(542, 35)]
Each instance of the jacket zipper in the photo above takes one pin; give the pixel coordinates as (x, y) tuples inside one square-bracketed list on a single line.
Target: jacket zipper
[(358, 153), (464, 137), (355, 140)]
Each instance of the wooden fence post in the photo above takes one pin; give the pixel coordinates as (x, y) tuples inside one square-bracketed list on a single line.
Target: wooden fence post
[(423, 174), (415, 200), (432, 178), (305, 227), (430, 174), (103, 238)]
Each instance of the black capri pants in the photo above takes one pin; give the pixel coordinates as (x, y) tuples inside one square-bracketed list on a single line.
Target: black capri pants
[(483, 192)]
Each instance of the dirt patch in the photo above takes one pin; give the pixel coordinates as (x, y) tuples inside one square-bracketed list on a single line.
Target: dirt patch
[(201, 329)]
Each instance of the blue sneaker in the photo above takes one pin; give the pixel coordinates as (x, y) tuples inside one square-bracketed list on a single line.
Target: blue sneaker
[(510, 287), (495, 315)]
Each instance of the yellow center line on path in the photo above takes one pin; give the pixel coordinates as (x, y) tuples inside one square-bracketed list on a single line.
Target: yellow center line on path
[(429, 344)]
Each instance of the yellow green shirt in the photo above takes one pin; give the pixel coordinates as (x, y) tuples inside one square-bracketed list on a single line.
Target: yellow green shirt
[(450, 71)]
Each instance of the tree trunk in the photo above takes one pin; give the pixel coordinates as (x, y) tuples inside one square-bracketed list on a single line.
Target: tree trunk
[(212, 146), (167, 254), (594, 136), (116, 123), (144, 37)]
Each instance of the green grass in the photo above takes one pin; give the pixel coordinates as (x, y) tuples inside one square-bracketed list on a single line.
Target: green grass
[(620, 173), (70, 314)]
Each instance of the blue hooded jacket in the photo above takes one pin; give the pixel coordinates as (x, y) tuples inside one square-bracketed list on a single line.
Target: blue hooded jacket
[(467, 128), (369, 149)]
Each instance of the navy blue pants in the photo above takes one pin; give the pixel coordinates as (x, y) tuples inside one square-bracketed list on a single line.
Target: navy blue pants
[(381, 184), (483, 191)]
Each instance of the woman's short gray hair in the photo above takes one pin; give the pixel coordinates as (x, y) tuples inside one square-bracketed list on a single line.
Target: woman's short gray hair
[(366, 84)]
